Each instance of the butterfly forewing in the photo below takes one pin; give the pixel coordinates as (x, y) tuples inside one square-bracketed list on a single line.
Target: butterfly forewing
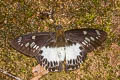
[(31, 44), (89, 38), (36, 45)]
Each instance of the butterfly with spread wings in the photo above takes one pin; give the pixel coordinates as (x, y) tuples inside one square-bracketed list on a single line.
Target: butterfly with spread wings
[(53, 50)]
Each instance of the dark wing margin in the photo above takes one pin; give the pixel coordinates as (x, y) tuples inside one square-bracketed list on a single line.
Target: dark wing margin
[(74, 57), (30, 44), (73, 64), (51, 66), (88, 39)]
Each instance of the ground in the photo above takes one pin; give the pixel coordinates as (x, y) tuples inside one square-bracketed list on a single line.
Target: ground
[(19, 17)]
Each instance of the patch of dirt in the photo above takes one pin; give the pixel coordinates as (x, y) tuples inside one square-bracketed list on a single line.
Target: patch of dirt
[(114, 55)]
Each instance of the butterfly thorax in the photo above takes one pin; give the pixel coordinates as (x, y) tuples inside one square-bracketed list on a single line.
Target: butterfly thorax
[(60, 40)]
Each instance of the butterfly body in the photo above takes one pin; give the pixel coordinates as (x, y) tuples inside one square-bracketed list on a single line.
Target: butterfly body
[(52, 49)]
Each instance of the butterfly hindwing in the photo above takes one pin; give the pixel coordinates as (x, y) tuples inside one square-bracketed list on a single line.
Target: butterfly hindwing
[(74, 56), (51, 58), (30, 44)]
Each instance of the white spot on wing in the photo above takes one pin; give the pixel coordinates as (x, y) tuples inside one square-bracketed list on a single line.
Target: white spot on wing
[(19, 39), (92, 38), (97, 38), (27, 44), (83, 43), (84, 32), (87, 39), (21, 45), (32, 44), (33, 37), (37, 47), (98, 33)]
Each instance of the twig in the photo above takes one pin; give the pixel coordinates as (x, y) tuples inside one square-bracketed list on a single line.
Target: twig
[(10, 75)]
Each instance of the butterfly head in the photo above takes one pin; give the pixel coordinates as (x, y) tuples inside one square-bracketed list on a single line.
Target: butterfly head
[(59, 27)]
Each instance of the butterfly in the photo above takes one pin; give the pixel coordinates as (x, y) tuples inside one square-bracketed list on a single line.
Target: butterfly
[(60, 50)]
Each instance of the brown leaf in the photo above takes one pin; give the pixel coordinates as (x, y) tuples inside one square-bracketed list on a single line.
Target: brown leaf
[(38, 72)]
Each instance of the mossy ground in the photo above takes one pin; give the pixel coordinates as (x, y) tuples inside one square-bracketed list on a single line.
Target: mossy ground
[(19, 17)]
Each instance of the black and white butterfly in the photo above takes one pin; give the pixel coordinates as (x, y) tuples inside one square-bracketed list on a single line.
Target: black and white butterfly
[(53, 50)]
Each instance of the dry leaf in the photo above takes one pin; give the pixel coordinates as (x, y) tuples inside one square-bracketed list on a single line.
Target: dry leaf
[(38, 72)]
